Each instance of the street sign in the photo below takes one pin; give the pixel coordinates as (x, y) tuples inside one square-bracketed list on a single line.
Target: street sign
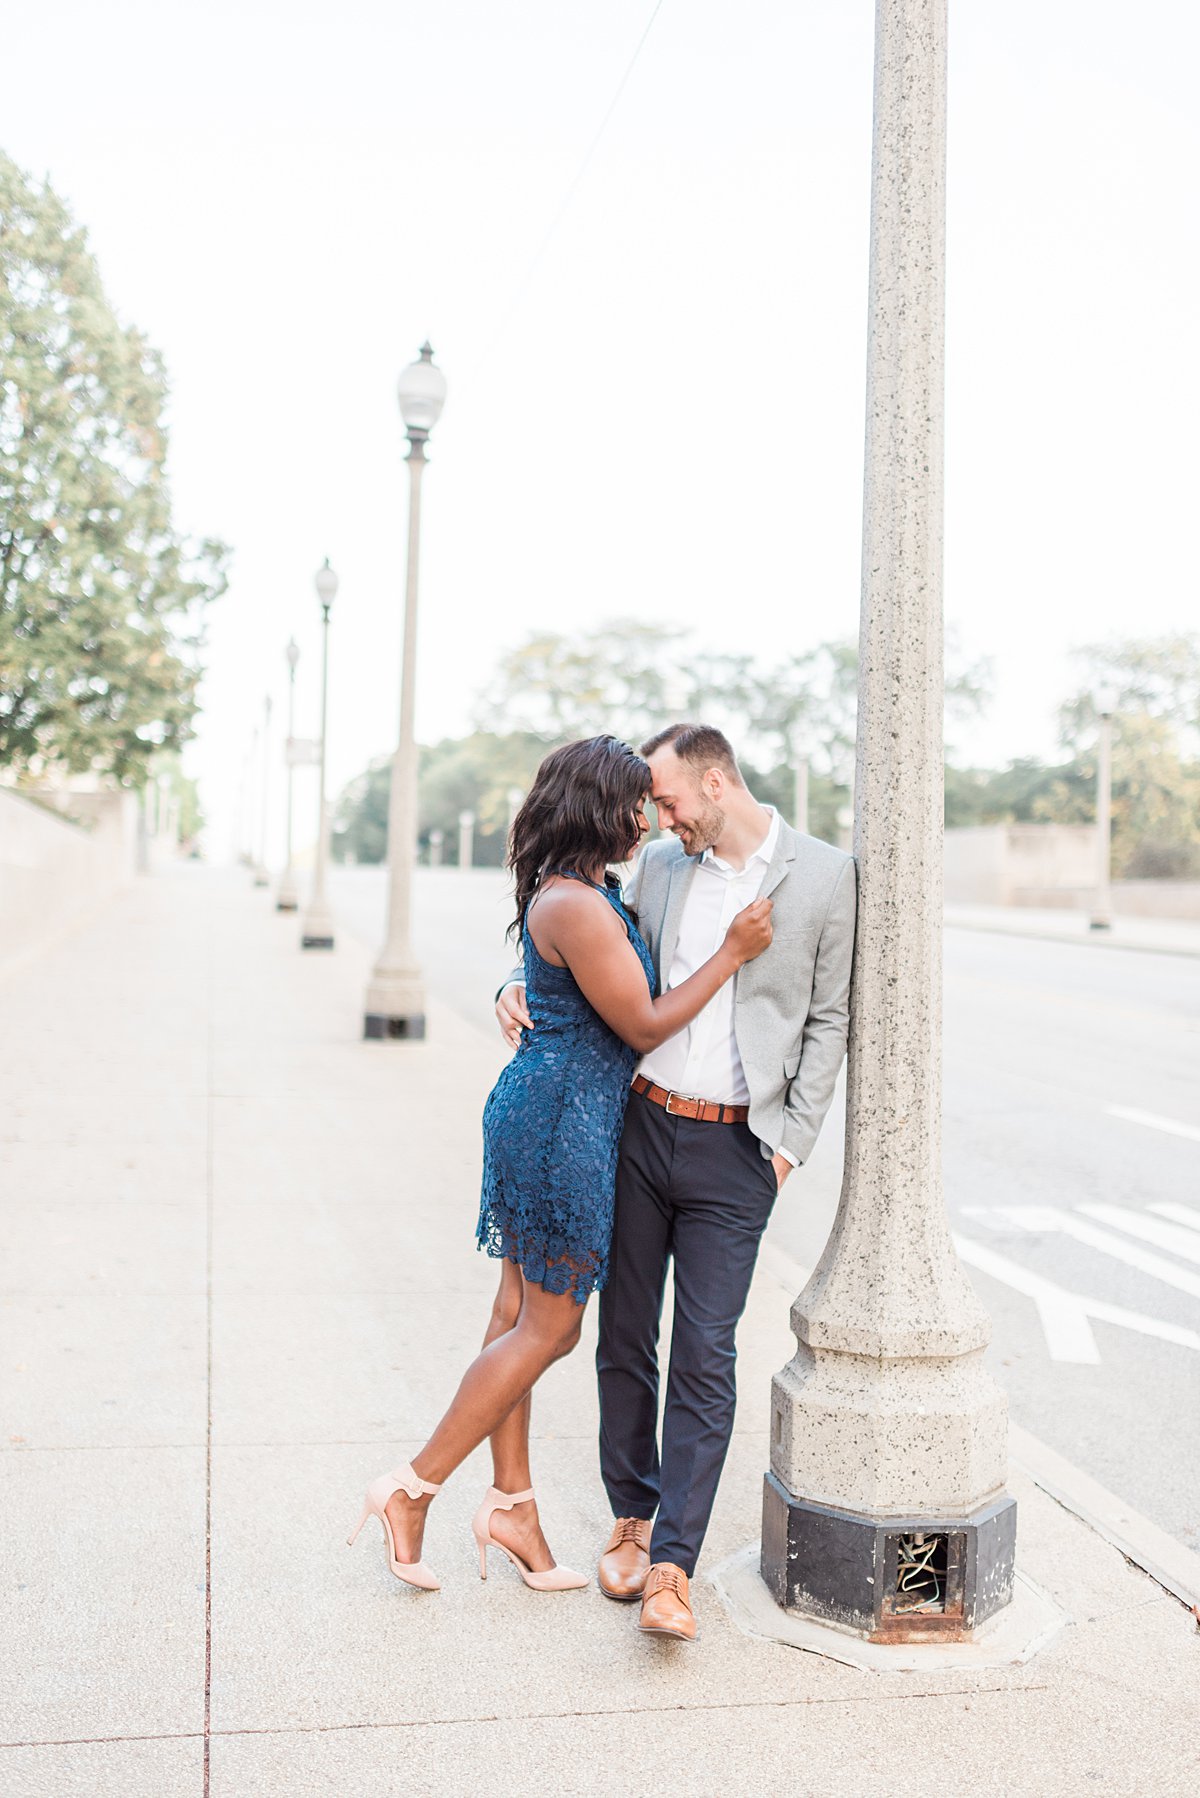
[(302, 752)]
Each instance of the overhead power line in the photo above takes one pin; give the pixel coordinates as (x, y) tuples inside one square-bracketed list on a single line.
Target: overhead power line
[(572, 189)]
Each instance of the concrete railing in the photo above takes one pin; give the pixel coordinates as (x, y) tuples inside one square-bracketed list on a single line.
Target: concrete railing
[(54, 870)]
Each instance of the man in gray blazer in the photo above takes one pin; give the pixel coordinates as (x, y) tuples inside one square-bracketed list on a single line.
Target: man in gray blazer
[(718, 1118)]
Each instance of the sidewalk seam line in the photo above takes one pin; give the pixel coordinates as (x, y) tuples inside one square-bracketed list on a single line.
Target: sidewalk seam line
[(658, 1710)]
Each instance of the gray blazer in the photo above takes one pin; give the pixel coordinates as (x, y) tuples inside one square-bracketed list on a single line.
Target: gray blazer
[(791, 1006), (792, 1003)]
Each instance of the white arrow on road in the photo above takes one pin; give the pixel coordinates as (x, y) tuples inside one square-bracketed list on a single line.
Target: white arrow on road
[(1066, 1317)]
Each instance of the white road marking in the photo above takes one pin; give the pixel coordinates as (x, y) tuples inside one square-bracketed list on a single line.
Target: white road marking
[(1047, 1217), (1135, 1223), (1179, 1214), (1152, 1121), (1065, 1315)]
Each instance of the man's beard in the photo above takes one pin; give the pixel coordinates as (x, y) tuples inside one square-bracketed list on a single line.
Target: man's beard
[(704, 830)]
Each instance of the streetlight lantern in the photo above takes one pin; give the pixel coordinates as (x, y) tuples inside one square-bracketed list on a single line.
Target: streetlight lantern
[(287, 898), (316, 931), (395, 1000), (1105, 702), (421, 391)]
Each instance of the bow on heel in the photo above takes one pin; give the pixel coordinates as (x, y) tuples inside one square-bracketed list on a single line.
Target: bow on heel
[(555, 1579), (413, 1573)]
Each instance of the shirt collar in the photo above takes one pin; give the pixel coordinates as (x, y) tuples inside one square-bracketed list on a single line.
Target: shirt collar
[(764, 852)]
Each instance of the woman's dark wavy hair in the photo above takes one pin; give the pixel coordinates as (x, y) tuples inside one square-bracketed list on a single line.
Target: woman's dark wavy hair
[(581, 810)]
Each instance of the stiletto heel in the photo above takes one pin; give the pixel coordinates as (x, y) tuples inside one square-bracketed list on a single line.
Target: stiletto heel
[(555, 1579), (413, 1573)]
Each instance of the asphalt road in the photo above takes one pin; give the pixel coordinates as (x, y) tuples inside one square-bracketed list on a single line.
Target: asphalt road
[(1072, 1169)]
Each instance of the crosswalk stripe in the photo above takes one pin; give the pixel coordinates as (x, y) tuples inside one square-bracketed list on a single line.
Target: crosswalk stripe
[(1179, 1214), (1152, 1121), (1048, 1217), (1164, 1236)]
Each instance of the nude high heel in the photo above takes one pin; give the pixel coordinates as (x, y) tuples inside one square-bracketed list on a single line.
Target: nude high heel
[(413, 1573), (556, 1579)]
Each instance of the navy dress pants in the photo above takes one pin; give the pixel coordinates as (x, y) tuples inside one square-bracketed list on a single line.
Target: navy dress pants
[(700, 1194)]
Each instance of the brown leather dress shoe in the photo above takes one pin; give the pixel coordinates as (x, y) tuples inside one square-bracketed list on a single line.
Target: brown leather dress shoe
[(626, 1561), (666, 1607)]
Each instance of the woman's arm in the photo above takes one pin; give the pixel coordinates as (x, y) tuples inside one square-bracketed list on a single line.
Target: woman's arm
[(580, 929)]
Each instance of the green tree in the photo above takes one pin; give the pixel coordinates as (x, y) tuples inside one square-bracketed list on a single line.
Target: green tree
[(1153, 688), (100, 599), (474, 773)]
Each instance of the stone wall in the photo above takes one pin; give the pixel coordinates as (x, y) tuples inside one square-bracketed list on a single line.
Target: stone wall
[(1050, 866), (54, 870)]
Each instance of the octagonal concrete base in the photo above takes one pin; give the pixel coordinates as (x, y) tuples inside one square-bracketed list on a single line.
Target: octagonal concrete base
[(1012, 1637)]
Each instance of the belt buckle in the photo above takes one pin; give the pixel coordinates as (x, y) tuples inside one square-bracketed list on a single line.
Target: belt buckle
[(685, 1097)]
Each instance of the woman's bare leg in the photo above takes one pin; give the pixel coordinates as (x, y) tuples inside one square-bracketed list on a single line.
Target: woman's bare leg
[(498, 1379), (519, 1529)]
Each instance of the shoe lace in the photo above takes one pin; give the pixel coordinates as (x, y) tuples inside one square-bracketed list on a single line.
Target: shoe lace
[(666, 1579), (629, 1530)]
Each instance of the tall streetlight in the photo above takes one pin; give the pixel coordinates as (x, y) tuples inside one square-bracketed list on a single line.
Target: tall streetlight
[(395, 1001), (885, 1508), (799, 790), (287, 898), (261, 876), (316, 930), (1106, 705)]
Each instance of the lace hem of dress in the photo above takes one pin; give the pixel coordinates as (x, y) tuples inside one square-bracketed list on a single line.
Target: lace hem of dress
[(576, 1274)]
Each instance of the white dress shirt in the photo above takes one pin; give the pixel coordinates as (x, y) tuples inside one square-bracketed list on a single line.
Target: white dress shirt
[(701, 1061)]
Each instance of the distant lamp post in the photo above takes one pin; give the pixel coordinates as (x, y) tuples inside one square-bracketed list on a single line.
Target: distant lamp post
[(395, 1001), (288, 898), (1106, 705), (436, 839), (845, 826), (466, 839), (261, 877), (316, 929), (800, 790), (516, 799)]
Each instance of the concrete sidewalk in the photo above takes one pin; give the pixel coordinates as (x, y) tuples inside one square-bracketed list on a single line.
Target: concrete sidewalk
[(1159, 936), (238, 1280)]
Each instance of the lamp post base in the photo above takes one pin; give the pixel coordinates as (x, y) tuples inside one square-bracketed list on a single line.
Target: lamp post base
[(394, 1006), (261, 877), (287, 905), (1100, 924), (380, 1027), (889, 1579), (308, 941)]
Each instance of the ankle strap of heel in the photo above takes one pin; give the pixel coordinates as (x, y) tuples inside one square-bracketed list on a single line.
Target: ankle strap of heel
[(413, 1484), (504, 1501)]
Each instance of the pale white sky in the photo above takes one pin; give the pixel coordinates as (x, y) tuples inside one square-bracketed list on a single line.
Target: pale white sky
[(667, 418)]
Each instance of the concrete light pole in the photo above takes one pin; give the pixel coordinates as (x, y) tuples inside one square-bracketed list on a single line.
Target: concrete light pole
[(436, 839), (800, 792), (287, 898), (466, 839), (395, 1001), (884, 1509), (261, 876), (1101, 919), (316, 929), (516, 799)]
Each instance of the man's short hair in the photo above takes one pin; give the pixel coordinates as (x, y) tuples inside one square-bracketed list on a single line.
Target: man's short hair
[(701, 746)]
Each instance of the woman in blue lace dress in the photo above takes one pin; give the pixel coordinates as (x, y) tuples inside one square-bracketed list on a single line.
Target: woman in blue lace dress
[(551, 1131)]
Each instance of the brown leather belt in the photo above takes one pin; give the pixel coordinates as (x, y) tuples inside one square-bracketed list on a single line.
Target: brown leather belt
[(707, 1111)]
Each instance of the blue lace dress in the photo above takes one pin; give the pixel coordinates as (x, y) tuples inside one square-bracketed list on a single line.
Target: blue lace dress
[(551, 1128)]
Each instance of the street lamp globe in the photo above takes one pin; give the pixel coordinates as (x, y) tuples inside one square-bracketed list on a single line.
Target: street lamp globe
[(293, 653), (327, 586), (421, 391), (1105, 700)]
